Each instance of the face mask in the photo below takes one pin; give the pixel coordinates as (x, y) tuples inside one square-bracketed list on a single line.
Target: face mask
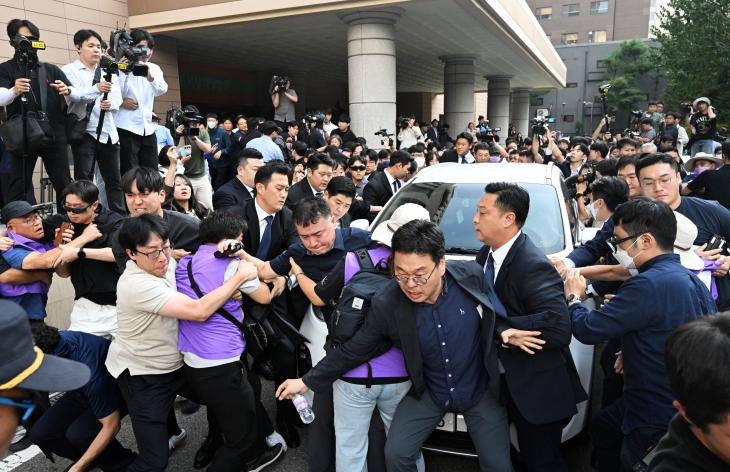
[(495, 159), (420, 161), (212, 124), (700, 170), (623, 258)]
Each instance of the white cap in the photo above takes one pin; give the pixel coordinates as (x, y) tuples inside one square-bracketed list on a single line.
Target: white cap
[(686, 235), (689, 165), (402, 215)]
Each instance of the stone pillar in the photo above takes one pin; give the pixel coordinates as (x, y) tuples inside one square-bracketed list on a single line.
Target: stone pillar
[(458, 91), (498, 102), (521, 110), (297, 83), (371, 70)]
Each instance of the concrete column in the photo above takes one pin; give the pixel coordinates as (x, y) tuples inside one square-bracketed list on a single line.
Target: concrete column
[(521, 110), (371, 70), (498, 102), (458, 90), (297, 83)]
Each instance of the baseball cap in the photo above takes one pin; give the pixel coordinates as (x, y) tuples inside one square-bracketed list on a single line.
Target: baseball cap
[(25, 366), (686, 235), (16, 209), (402, 215), (494, 151)]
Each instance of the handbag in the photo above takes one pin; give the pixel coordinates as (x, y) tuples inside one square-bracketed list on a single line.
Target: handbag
[(75, 126), (251, 330), (39, 131)]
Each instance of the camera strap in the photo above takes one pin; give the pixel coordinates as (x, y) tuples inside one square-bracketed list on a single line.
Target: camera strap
[(43, 85)]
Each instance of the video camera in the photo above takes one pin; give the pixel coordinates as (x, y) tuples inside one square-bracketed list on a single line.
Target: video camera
[(604, 89), (631, 134), (538, 124), (122, 45), (176, 117), (721, 134), (109, 65), (404, 121), (314, 119), (24, 45), (686, 105), (485, 130), (383, 133), (278, 81), (637, 113)]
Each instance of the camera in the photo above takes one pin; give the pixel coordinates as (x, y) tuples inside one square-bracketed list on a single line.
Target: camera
[(630, 133), (721, 134), (588, 178), (109, 65), (604, 89), (121, 45), (314, 119), (231, 249), (278, 81), (538, 124), (383, 133), (24, 45), (686, 105), (637, 113), (404, 121), (176, 116)]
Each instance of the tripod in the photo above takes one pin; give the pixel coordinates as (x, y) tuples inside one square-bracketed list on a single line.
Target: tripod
[(100, 125), (23, 63)]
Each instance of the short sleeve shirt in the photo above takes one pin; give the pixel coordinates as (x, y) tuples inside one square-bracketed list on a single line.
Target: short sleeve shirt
[(147, 342), (286, 109)]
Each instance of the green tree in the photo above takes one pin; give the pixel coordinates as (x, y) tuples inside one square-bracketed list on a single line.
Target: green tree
[(624, 94), (694, 48), (624, 68)]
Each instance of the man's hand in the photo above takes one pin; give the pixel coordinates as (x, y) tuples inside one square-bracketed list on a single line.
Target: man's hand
[(708, 255), (180, 129), (60, 87), (238, 296), (6, 243), (619, 364), (279, 286), (68, 254), (248, 269), (21, 86), (130, 104), (178, 254), (106, 105), (91, 233), (581, 187), (525, 340), (67, 235), (575, 283), (226, 243), (723, 269), (217, 155), (150, 77), (289, 387), (104, 87), (295, 269), (558, 263)]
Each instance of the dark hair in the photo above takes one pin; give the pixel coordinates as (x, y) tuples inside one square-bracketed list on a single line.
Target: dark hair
[(400, 157), (332, 150), (308, 211), (200, 210), (45, 336), (358, 158), (646, 121), (136, 231), (656, 158), (674, 114), (696, 356), (252, 123), (141, 34), (726, 148), (606, 167), (146, 178), (583, 148), (626, 142), (265, 172), (527, 153), (270, 127), (481, 147), (341, 186), (666, 137), (602, 149), (644, 215), (511, 197), (623, 161), (653, 103), (299, 147), (384, 154), (83, 35), (318, 159), (15, 25), (246, 154), (162, 158), (613, 190), (85, 190), (221, 224), (417, 148), (212, 115), (344, 118), (420, 237), (292, 124), (667, 149), (466, 136)]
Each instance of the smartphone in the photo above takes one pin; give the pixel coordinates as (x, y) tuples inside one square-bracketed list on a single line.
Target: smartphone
[(59, 237), (184, 151), (643, 464), (716, 242)]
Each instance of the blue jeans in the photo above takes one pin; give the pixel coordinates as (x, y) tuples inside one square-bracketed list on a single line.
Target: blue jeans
[(354, 406), (703, 145)]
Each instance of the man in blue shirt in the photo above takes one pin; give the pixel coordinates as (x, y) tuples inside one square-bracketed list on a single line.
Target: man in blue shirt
[(265, 144), (90, 415), (164, 138), (647, 308), (218, 162)]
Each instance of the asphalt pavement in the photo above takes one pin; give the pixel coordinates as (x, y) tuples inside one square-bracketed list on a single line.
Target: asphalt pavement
[(576, 452)]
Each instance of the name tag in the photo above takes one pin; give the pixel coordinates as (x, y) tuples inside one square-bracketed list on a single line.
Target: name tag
[(357, 303)]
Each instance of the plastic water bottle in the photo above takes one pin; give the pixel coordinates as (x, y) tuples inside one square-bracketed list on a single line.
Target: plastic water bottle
[(305, 412)]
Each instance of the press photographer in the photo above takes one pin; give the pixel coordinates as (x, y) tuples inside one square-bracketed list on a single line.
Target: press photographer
[(23, 93), (704, 125), (408, 133), (284, 99)]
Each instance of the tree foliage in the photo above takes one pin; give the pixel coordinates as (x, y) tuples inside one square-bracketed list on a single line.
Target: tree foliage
[(694, 48), (624, 68), (624, 94)]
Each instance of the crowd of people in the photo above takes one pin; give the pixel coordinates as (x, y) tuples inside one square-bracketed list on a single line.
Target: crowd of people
[(194, 248)]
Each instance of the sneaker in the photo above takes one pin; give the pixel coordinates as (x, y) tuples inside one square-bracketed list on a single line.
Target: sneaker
[(267, 458), (189, 407), (177, 440), (275, 438), (22, 444)]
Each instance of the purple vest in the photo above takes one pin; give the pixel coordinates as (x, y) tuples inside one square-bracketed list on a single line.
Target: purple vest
[(216, 338), (391, 364), (8, 290)]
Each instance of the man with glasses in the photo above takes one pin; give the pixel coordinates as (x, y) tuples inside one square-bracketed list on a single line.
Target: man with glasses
[(661, 297), (94, 274), (660, 180)]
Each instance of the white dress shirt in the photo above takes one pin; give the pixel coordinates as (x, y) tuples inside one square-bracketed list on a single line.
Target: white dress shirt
[(392, 179), (139, 121), (261, 215), (315, 192), (500, 254), (250, 190), (82, 78)]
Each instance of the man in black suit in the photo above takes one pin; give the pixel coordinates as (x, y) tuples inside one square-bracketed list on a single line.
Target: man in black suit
[(340, 194), (461, 152), (383, 185), (433, 132), (241, 188), (319, 173), (533, 328)]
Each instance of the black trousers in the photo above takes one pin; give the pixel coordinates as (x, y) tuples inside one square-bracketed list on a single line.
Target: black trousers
[(230, 400), (108, 162), (219, 176), (55, 160), (615, 451), (136, 151), (69, 428), (613, 383)]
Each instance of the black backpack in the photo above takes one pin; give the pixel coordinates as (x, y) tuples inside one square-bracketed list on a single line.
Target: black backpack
[(355, 299)]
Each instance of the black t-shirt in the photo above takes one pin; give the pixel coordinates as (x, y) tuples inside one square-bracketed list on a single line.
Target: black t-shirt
[(716, 184), (681, 451), (704, 126), (347, 136)]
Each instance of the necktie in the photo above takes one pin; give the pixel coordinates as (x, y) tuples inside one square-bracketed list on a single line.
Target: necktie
[(319, 194), (265, 240), (491, 293), (396, 186), (463, 160)]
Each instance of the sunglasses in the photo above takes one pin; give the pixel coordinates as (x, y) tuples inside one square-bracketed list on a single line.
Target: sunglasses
[(76, 210), (358, 168), (613, 242)]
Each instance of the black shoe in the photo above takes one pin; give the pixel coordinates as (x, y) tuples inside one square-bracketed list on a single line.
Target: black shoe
[(189, 407), (21, 445), (207, 451), (288, 432), (268, 457), (263, 369)]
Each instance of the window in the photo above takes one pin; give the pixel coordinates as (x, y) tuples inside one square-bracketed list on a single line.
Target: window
[(571, 10), (569, 38), (536, 102), (597, 36), (571, 85), (599, 8), (600, 65), (544, 13), (568, 118)]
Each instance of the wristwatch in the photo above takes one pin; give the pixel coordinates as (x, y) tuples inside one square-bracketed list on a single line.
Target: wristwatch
[(81, 254), (572, 298)]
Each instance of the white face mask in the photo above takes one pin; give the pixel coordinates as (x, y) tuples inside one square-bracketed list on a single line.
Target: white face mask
[(623, 258), (212, 124), (419, 161)]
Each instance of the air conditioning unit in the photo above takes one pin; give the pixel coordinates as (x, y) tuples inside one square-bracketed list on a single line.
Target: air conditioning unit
[(542, 113)]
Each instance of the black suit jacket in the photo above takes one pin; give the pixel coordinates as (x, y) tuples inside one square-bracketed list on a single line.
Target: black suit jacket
[(298, 191), (432, 135), (378, 190), (450, 156), (544, 386), (345, 220), (230, 195), (391, 320)]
